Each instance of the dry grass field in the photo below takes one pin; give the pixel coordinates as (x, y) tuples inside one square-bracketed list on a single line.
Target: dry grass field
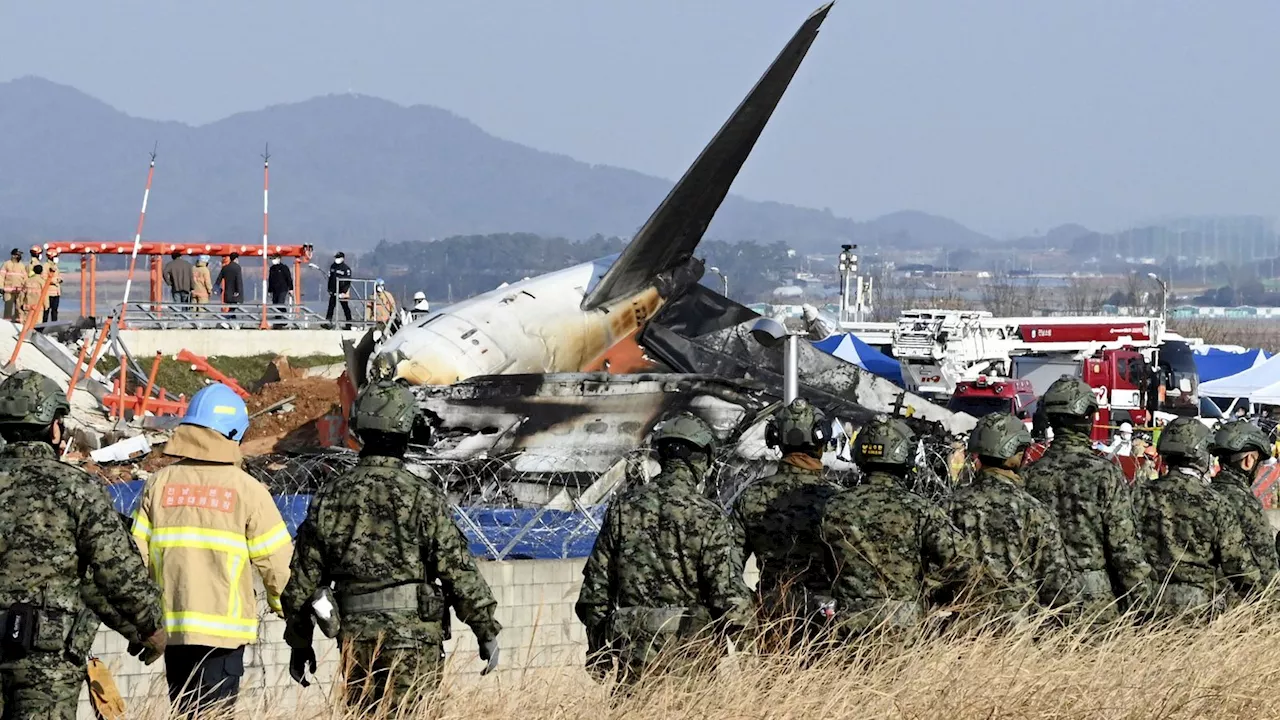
[(1229, 669)]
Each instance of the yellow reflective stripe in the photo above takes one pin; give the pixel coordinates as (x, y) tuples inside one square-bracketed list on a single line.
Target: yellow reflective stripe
[(188, 537), (235, 565), (141, 527), (206, 532), (269, 542), (216, 625)]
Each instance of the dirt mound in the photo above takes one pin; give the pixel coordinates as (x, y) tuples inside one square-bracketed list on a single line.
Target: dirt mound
[(313, 398)]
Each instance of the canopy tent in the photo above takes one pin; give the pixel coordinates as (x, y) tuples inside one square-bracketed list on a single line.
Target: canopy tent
[(1269, 395), (1244, 384), (849, 348), (1219, 361)]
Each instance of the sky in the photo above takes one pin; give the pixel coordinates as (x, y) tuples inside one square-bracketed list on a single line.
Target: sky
[(1006, 115)]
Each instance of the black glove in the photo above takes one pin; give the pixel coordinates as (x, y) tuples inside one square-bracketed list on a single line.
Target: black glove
[(489, 653), (301, 661), (599, 657), (151, 648)]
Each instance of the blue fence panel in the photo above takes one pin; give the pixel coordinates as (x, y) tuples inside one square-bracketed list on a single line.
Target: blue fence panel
[(520, 533)]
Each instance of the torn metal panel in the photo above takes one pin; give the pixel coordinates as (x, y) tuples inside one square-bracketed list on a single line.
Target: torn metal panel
[(574, 422), (827, 380)]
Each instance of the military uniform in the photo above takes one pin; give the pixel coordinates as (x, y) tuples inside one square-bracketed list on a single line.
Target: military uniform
[(1014, 535), (1193, 541), (1235, 491), (663, 570), (888, 549), (778, 520), (62, 543), (386, 541), (1234, 488), (1091, 501)]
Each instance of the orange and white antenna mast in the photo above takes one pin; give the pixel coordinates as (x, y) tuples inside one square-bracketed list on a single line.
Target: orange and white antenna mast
[(137, 237), (266, 183)]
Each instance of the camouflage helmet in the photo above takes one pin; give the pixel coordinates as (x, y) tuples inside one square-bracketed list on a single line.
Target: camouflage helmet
[(1187, 439), (29, 398), (885, 441), (1239, 436), (1069, 395), (386, 407), (798, 425), (1000, 436), (687, 427)]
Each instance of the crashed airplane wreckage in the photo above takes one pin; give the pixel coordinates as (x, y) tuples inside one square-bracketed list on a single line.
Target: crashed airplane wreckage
[(569, 371)]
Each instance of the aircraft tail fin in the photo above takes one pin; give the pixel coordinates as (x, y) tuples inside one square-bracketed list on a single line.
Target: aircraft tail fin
[(673, 231)]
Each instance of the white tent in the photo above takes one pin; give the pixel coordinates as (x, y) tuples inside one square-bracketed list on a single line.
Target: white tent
[(1269, 395), (1245, 383)]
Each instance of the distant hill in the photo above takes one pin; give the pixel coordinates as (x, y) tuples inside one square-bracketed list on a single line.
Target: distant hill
[(348, 170)]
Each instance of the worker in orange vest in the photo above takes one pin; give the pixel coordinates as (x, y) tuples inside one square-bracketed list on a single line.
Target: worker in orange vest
[(55, 286), (31, 294), (13, 275), (384, 305)]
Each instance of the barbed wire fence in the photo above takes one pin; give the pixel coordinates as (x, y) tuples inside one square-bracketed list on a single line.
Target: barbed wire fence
[(508, 513)]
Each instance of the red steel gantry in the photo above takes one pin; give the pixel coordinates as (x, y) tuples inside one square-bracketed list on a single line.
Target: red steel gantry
[(89, 250)]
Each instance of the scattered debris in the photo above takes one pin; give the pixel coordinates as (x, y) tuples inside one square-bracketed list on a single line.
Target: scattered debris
[(123, 450), (201, 364), (277, 370)]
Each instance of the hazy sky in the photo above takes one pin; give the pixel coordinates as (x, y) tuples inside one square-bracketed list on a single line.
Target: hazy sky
[(1007, 115)]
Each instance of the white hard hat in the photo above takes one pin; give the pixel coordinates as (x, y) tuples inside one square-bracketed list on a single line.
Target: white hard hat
[(1126, 427), (419, 295)]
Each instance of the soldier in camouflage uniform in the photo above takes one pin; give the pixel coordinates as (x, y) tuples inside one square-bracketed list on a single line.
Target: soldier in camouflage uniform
[(1091, 501), (662, 583), (385, 540), (62, 545), (1241, 447), (778, 521), (1193, 540), (890, 552), (1013, 534)]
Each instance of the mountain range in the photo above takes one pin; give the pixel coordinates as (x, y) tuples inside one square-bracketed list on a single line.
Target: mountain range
[(348, 170)]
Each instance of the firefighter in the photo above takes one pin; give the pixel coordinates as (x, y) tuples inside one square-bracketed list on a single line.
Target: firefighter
[(55, 286), (35, 262), (201, 522), (14, 276), (384, 305), (32, 291)]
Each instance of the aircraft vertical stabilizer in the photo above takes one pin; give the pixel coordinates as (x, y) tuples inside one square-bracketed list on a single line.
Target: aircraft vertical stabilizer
[(671, 234)]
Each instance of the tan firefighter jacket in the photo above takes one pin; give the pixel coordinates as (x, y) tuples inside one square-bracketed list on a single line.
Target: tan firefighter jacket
[(201, 523)]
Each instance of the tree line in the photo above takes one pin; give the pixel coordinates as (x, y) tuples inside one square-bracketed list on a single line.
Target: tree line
[(462, 266)]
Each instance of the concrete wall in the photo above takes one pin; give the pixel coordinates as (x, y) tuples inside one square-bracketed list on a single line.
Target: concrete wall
[(535, 606), (237, 343)]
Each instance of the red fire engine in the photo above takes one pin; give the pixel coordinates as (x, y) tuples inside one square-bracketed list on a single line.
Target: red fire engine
[(988, 395)]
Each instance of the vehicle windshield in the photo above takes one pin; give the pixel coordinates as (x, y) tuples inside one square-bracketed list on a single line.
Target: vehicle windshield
[(1209, 410), (980, 406)]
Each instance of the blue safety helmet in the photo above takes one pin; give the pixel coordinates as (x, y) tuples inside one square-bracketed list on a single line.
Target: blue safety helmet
[(379, 281), (220, 409)]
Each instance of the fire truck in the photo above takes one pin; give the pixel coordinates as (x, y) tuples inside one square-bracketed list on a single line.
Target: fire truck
[(1135, 367), (988, 395), (939, 348)]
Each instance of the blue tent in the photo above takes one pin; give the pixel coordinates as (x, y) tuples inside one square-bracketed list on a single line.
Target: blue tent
[(850, 349), (1213, 362)]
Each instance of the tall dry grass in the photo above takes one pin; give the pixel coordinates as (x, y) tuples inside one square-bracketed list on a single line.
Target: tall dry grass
[(1229, 669)]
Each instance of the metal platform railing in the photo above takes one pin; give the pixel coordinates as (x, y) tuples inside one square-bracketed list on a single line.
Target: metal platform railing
[(148, 315)]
